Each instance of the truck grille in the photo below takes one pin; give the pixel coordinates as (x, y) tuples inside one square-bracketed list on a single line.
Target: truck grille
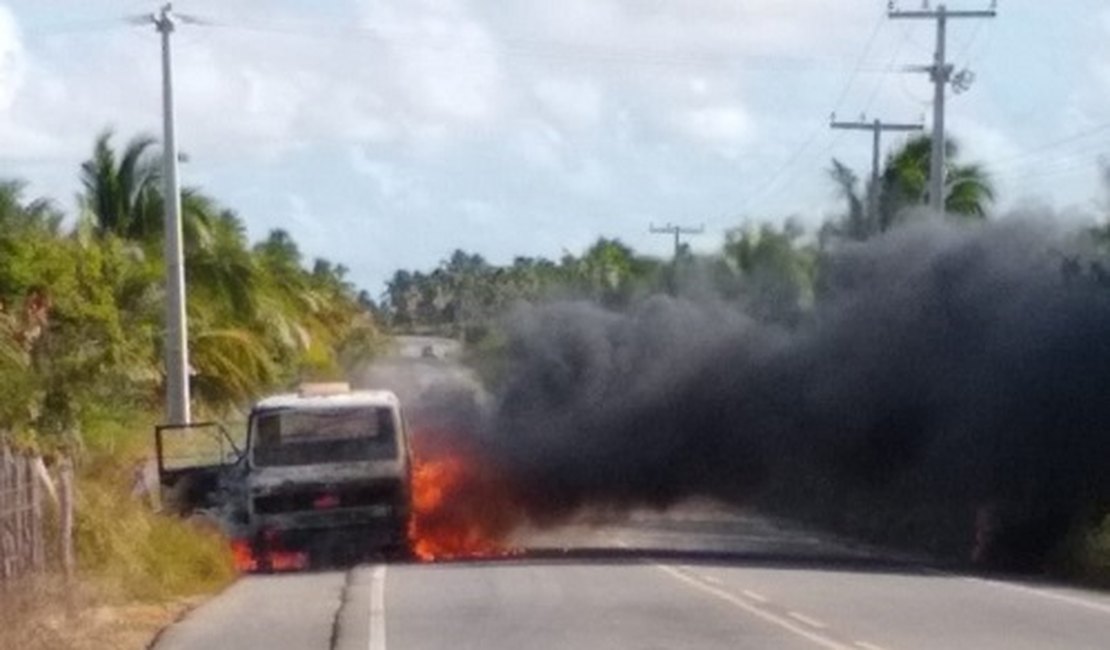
[(327, 498)]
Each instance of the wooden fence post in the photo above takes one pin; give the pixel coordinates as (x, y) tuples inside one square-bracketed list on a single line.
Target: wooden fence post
[(38, 555), (5, 496), (9, 549), (19, 501), (65, 473)]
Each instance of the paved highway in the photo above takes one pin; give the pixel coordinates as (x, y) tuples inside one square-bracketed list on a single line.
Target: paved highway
[(646, 584), (699, 578)]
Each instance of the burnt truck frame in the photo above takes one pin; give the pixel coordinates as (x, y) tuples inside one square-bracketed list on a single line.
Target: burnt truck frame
[(315, 475)]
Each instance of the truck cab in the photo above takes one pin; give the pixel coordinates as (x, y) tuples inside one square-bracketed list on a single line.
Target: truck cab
[(324, 473)]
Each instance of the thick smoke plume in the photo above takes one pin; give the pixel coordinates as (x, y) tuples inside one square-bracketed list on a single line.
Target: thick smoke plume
[(945, 374)]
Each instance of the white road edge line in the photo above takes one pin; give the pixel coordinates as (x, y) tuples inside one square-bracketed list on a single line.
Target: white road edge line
[(377, 608), (1032, 591), (759, 598), (868, 646), (817, 639), (1043, 593), (812, 622)]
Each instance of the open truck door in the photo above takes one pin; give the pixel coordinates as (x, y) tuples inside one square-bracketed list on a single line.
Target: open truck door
[(198, 465)]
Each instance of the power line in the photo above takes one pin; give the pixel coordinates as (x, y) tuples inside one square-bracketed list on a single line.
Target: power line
[(554, 50), (1054, 144), (1049, 162), (1074, 162), (71, 27), (1061, 172), (899, 46), (774, 178), (859, 65)]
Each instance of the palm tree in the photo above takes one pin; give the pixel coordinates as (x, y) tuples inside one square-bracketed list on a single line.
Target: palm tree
[(856, 223), (221, 265), (123, 195), (904, 182), (775, 268)]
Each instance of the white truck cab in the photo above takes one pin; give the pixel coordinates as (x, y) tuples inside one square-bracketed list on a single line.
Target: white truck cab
[(323, 472)]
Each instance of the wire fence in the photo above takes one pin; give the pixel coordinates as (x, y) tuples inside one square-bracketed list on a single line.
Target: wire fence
[(22, 547), (26, 524)]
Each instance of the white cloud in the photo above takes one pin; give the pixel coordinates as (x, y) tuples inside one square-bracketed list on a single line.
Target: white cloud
[(11, 59), (423, 71), (442, 61), (575, 103), (552, 117), (723, 126), (539, 143)]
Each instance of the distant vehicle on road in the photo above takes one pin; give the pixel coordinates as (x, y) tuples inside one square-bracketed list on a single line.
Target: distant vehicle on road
[(324, 474)]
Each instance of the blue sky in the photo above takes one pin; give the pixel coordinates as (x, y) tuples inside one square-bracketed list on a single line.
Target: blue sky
[(386, 133)]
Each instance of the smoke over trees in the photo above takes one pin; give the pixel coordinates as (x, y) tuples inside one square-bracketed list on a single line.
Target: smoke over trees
[(938, 385), (941, 370), (937, 374)]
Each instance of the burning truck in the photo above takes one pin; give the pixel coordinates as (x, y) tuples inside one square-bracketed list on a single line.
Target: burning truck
[(322, 474)]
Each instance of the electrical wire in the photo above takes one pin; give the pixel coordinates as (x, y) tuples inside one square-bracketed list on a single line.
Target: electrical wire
[(776, 176), (551, 50), (1049, 146)]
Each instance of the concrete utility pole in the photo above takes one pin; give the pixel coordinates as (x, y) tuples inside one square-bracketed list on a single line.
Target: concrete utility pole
[(177, 341), (941, 74), (876, 128), (678, 232)]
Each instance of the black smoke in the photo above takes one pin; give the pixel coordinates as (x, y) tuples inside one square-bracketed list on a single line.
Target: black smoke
[(946, 375)]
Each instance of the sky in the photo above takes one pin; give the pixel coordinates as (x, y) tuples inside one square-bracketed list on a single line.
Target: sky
[(387, 133)]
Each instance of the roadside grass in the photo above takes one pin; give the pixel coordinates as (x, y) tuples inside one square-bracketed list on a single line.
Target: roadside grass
[(133, 553), (137, 570), (122, 543)]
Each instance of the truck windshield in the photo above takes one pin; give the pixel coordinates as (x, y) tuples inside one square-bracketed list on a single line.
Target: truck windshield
[(292, 436)]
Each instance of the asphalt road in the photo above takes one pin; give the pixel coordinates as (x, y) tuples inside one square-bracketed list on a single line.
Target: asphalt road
[(702, 577), (646, 584)]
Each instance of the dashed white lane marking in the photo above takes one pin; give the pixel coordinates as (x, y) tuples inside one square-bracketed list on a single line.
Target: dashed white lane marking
[(868, 646), (759, 598), (812, 622), (377, 608), (774, 619), (713, 580)]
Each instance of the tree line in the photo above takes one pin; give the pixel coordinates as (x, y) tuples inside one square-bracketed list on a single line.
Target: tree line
[(82, 302), (772, 270)]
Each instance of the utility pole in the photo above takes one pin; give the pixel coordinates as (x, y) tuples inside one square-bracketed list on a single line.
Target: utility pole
[(876, 127), (941, 73), (677, 232), (176, 341)]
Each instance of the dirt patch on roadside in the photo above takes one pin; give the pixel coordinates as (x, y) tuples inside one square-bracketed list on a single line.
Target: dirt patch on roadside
[(46, 616)]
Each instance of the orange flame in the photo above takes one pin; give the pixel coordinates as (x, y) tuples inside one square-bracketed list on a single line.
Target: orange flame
[(242, 556), (246, 560), (460, 507)]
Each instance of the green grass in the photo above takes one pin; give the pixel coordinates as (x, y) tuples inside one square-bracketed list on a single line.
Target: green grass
[(139, 554), (121, 542)]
